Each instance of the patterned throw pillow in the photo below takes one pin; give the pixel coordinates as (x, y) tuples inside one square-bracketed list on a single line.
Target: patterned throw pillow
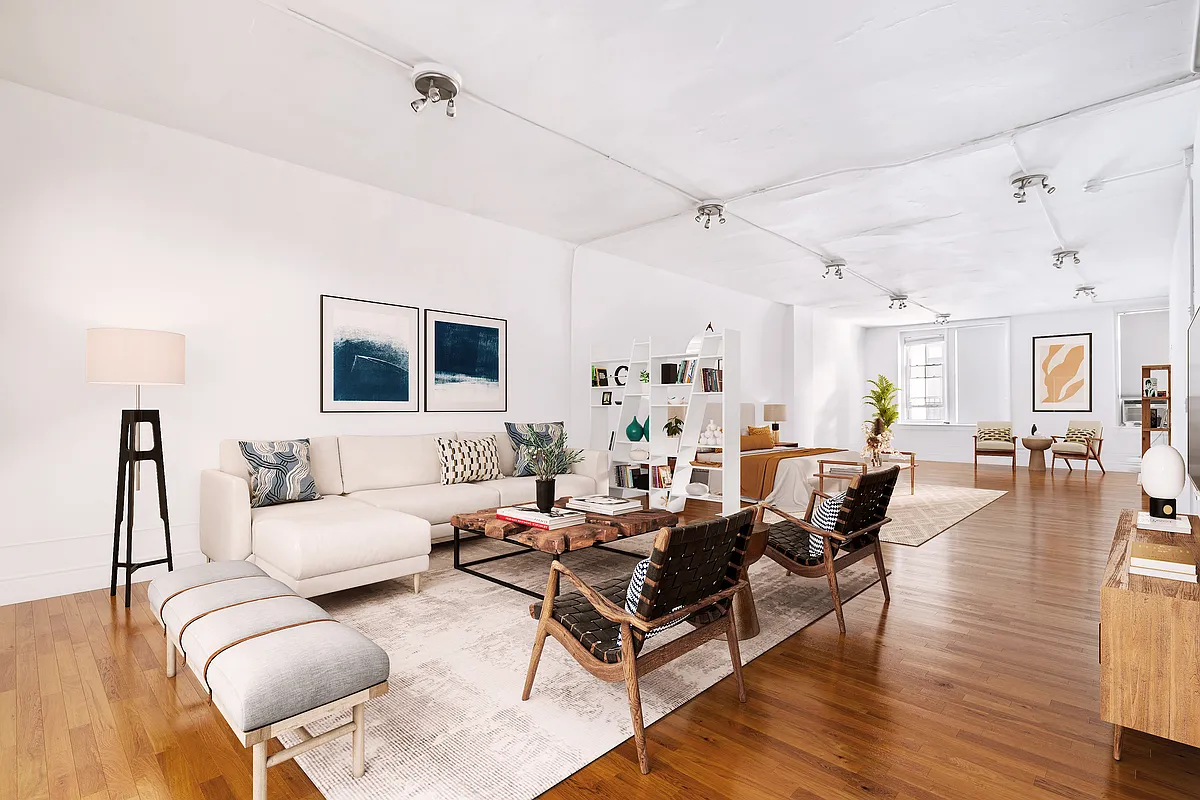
[(469, 460), (279, 472), (524, 434), (1079, 435), (759, 430), (825, 517), (995, 434), (634, 594)]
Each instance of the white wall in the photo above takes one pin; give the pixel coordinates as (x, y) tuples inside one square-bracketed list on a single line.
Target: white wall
[(615, 301), (1122, 446), (837, 385), (109, 221)]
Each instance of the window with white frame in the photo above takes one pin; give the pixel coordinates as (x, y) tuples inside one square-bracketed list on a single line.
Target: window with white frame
[(923, 377)]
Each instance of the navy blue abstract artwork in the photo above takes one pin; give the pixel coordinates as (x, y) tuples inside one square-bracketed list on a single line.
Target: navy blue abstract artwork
[(368, 356), (466, 362)]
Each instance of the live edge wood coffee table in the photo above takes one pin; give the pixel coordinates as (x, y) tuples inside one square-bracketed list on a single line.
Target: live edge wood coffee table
[(597, 530)]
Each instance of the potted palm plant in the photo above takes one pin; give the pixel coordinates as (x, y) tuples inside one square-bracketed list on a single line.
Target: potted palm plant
[(882, 397), (550, 457)]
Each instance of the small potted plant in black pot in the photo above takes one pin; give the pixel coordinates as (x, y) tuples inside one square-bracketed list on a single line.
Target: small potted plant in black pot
[(550, 457)]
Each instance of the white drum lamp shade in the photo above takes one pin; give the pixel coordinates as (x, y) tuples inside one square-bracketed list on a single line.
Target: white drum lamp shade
[(138, 357), (1163, 472), (774, 412)]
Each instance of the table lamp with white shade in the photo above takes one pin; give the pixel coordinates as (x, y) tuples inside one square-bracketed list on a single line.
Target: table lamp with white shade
[(1163, 477), (774, 413), (136, 358)]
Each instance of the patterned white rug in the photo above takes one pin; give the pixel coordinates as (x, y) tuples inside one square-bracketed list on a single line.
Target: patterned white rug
[(453, 725), (917, 518)]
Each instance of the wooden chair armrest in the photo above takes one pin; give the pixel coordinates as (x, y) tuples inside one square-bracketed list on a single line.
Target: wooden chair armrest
[(1055, 437), (604, 607)]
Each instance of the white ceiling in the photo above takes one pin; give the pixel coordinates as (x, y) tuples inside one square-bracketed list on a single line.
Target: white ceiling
[(713, 99)]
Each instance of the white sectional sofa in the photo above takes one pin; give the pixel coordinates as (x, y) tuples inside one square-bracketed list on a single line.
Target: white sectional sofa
[(382, 505)]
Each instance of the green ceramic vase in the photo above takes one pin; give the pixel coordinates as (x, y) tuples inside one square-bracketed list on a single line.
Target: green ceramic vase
[(635, 431), (646, 430)]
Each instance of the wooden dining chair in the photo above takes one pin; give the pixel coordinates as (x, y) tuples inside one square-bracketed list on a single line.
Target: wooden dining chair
[(694, 572), (803, 548)]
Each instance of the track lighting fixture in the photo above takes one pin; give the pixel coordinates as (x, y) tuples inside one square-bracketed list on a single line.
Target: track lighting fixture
[(706, 211), (899, 302), (1022, 183), (941, 319), (1085, 291), (834, 268), (1061, 256), (435, 83)]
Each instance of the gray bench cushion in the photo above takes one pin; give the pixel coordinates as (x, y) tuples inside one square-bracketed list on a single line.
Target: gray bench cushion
[(173, 582), (271, 678), (204, 599)]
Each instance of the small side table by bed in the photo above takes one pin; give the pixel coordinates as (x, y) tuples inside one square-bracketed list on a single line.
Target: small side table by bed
[(908, 462)]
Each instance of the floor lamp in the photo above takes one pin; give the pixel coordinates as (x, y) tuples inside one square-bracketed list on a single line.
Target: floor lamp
[(137, 358)]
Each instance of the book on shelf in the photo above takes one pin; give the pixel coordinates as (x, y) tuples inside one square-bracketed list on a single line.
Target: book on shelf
[(711, 380), (529, 515), (1162, 557), (1149, 523), (1166, 574)]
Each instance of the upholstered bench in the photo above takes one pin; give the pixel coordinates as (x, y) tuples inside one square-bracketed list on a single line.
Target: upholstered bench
[(270, 660)]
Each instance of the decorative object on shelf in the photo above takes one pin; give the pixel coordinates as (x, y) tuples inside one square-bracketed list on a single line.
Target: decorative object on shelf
[(670, 372), (619, 375), (639, 453), (599, 376), (633, 431), (466, 362), (368, 355), (878, 441), (1033, 431), (612, 439), (774, 413), (646, 428), (644, 377), (1062, 372), (550, 458), (697, 489), (674, 427), (1149, 387), (606, 398), (136, 357), (1163, 478), (711, 435), (663, 474)]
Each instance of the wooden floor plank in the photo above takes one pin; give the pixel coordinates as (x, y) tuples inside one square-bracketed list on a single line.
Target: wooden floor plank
[(979, 680)]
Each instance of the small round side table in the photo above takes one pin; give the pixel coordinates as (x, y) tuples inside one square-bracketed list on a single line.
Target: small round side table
[(1037, 447)]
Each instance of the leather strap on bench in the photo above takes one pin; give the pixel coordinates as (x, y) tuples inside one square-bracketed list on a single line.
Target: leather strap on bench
[(184, 627), (171, 597), (204, 672)]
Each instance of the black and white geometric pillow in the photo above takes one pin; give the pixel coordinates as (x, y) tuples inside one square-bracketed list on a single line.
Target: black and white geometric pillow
[(469, 460), (825, 517), (1079, 435), (279, 472), (633, 595)]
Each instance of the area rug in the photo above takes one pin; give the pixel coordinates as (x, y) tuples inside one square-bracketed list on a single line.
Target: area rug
[(453, 725), (917, 518)]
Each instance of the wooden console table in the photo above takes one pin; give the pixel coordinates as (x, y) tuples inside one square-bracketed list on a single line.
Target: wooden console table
[(1149, 658)]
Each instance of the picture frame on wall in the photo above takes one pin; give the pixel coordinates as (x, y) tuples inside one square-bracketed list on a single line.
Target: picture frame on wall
[(369, 356), (1062, 373), (466, 362)]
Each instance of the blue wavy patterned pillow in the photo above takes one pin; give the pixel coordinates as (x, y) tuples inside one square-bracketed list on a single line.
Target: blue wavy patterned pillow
[(279, 472), (524, 434)]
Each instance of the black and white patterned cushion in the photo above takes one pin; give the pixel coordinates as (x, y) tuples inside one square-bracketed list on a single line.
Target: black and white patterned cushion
[(995, 435), (633, 594), (825, 515), (1079, 435), (279, 472), (469, 460)]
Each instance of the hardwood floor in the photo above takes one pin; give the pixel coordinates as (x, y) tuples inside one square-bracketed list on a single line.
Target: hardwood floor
[(980, 680)]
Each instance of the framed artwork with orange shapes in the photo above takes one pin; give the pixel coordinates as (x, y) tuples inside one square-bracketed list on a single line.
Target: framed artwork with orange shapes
[(1062, 372)]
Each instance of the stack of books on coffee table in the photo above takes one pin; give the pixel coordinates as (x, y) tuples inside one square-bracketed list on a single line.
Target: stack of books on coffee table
[(1170, 561), (552, 521), (603, 504)]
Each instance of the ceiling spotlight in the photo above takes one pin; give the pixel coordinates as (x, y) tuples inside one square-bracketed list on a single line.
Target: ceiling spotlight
[(1021, 183), (706, 211), (1093, 186), (899, 302), (834, 268), (941, 319), (1085, 291), (435, 83), (1061, 256)]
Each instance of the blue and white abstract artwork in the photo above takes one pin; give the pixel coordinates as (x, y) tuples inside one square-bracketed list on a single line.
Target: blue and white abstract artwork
[(368, 355), (466, 362)]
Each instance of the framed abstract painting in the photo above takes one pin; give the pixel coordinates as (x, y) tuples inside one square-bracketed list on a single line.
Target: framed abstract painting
[(466, 362), (369, 358), (1062, 372)]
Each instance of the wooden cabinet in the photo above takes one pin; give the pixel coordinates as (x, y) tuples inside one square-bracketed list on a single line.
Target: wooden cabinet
[(1149, 643)]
